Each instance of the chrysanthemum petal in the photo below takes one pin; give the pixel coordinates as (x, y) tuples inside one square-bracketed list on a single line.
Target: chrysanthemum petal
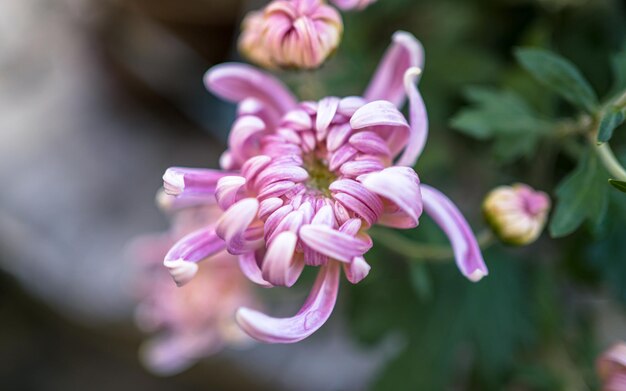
[(236, 82), (467, 252), (331, 242), (418, 119), (313, 314), (250, 268), (281, 266), (399, 185), (183, 180), (227, 189), (388, 81), (356, 270), (234, 222), (181, 259)]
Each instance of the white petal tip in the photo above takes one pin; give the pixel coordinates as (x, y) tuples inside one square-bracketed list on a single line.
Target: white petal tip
[(173, 182), (181, 271), (476, 275)]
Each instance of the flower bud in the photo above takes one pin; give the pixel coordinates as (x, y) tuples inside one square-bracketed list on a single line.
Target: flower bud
[(611, 367), (349, 5), (516, 214), (291, 34)]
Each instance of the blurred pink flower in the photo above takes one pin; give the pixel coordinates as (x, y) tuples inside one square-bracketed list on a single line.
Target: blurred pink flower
[(611, 366), (517, 214), (198, 319), (291, 34), (348, 5), (303, 182)]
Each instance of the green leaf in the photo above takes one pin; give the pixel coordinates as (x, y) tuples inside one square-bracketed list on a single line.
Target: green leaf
[(619, 185), (560, 75), (611, 119), (582, 195), (496, 112)]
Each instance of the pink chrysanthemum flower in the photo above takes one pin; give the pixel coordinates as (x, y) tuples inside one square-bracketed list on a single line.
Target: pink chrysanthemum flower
[(349, 5), (291, 34), (611, 366), (196, 320), (303, 182)]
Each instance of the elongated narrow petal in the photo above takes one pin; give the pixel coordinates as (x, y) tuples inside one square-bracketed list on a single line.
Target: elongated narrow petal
[(467, 253), (236, 82), (182, 180), (182, 257), (418, 119), (401, 186), (388, 81), (313, 314), (250, 268), (169, 203), (330, 242), (234, 222), (280, 266), (356, 270)]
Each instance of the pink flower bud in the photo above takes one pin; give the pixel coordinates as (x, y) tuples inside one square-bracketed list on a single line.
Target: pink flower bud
[(349, 5), (517, 214), (611, 367), (291, 34)]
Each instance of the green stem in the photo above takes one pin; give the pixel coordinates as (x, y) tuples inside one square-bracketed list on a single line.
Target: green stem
[(420, 251), (610, 162), (606, 155)]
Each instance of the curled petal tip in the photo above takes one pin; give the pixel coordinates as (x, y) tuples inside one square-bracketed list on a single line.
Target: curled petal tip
[(181, 271), (173, 182), (411, 74)]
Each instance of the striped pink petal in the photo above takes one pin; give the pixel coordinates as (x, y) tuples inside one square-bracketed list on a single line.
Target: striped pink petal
[(401, 186), (356, 270), (250, 268), (419, 121), (331, 242), (341, 156), (181, 259), (234, 222), (369, 143), (227, 190), (236, 82), (388, 81), (244, 136), (325, 113), (182, 180), (313, 314), (349, 105), (281, 266), (467, 253)]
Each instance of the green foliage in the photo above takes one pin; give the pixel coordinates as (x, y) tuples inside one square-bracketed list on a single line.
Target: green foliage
[(582, 195), (611, 119), (492, 318), (496, 112), (503, 116), (560, 75), (606, 254), (619, 185)]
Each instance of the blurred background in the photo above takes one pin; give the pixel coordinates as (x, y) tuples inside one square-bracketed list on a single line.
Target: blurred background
[(99, 97)]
